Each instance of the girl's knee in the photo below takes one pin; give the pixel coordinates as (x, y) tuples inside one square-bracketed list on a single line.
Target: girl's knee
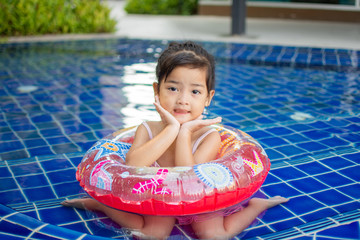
[(210, 230), (212, 234), (158, 227)]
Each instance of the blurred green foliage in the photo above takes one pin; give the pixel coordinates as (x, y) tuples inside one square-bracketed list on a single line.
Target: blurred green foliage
[(169, 7), (34, 17)]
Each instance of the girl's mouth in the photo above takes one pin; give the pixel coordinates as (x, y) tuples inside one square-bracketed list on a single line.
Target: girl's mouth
[(181, 111)]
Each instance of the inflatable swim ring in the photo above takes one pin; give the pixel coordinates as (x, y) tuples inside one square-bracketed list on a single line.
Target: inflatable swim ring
[(238, 172)]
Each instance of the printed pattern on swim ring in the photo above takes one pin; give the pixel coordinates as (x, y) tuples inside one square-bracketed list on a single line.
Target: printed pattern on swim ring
[(238, 172), (257, 167), (153, 184), (107, 147), (100, 177), (214, 175)]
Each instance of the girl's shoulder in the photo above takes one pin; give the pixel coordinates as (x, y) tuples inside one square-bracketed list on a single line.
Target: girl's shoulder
[(154, 126), (204, 132)]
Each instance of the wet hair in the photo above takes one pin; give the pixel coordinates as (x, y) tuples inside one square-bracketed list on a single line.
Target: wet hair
[(188, 54)]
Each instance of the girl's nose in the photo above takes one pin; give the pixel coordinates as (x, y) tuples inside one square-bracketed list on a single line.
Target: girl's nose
[(183, 99)]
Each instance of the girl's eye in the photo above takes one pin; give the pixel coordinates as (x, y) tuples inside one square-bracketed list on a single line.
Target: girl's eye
[(173, 89), (196, 92)]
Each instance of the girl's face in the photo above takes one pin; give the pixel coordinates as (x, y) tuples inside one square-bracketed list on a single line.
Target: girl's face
[(184, 93)]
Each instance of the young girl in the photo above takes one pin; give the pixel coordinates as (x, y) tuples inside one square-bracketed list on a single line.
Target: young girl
[(186, 79)]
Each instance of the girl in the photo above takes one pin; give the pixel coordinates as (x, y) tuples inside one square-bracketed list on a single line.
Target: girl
[(186, 81)]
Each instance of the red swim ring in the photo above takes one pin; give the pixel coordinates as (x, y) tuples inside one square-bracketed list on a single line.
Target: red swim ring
[(238, 172)]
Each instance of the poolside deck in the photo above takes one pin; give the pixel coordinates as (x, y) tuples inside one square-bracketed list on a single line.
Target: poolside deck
[(216, 28)]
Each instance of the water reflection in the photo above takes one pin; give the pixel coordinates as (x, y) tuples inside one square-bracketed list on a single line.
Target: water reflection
[(139, 93)]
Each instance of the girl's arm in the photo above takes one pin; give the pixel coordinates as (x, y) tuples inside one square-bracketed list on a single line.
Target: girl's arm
[(144, 152), (206, 151)]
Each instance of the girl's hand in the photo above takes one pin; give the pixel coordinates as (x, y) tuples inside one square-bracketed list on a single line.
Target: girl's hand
[(166, 117), (199, 123)]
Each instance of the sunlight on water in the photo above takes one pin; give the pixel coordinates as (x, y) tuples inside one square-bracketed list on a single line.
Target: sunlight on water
[(139, 93)]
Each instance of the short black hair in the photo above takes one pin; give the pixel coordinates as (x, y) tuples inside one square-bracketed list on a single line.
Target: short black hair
[(188, 54)]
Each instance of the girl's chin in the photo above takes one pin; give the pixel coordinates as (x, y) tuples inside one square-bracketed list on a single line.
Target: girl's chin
[(183, 120)]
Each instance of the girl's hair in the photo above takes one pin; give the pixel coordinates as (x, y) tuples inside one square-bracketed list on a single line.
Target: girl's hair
[(187, 54)]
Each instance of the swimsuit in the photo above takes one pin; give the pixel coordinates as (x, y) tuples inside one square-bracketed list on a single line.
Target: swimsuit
[(185, 220), (195, 146)]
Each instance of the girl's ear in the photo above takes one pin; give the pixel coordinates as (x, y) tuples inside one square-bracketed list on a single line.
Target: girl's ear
[(156, 88), (209, 98)]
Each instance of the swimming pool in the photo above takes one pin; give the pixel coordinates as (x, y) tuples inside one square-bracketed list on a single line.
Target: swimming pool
[(301, 104)]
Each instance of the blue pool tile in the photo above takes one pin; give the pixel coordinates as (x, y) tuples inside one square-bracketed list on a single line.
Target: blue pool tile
[(319, 125), (333, 179), (274, 141), (40, 193), (51, 132), (308, 185), (312, 146), (53, 230), (65, 147), (353, 157), (76, 160), (57, 140), (288, 224), (25, 169), (28, 134), (331, 197), (11, 146), (336, 162), (316, 134), (4, 172), (347, 207), (13, 228), (303, 205), (19, 154), (68, 188), (41, 118), (334, 141), (345, 231), (58, 215), (352, 173), (351, 137), (34, 143), (274, 155), (279, 131), (86, 145), (32, 181), (352, 190), (11, 196), (313, 168), (257, 134), (24, 221), (259, 231), (79, 128), (318, 214), (281, 189), (55, 164), (290, 150), (44, 150), (79, 227), (61, 176), (353, 128), (288, 173), (271, 179), (295, 138), (7, 184), (354, 119), (8, 136)]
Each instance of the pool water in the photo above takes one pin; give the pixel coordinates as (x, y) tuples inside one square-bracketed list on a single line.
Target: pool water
[(59, 98)]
